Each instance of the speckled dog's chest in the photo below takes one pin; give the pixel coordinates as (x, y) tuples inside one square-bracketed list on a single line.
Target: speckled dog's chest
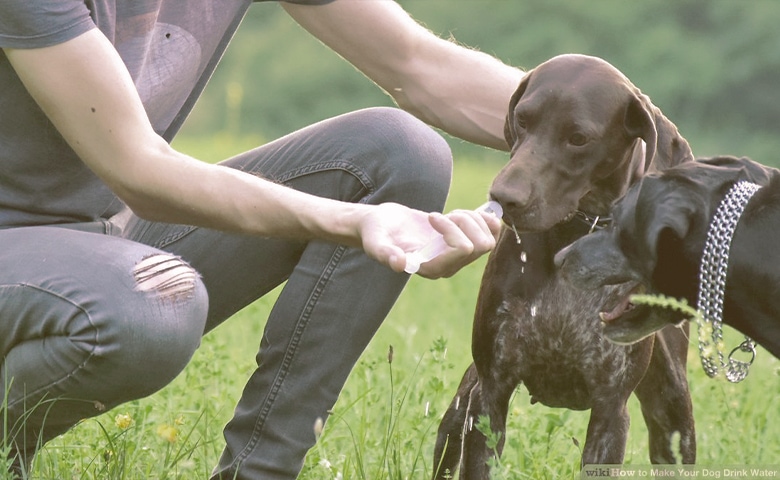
[(553, 342)]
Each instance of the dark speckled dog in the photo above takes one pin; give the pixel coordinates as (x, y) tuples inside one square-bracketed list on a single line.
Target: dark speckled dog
[(656, 242), (576, 126)]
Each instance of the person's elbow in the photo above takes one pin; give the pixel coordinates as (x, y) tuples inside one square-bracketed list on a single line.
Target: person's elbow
[(412, 93), (145, 180), (142, 204)]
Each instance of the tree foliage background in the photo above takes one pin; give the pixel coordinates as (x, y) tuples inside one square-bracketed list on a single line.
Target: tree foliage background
[(712, 66)]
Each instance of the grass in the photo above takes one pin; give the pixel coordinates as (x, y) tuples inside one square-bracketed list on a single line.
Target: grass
[(384, 424)]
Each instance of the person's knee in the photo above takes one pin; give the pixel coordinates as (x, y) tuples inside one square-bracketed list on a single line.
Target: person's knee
[(407, 139), (415, 158), (158, 335)]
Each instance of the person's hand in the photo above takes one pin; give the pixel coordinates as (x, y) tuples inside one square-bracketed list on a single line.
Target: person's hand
[(390, 231)]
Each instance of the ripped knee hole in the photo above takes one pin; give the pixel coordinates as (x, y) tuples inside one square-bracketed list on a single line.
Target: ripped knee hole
[(165, 274)]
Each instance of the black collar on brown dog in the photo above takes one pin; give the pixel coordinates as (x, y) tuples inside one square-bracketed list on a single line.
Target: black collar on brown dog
[(595, 222)]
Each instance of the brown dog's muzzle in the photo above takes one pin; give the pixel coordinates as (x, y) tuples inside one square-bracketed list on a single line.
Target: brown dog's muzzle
[(522, 188)]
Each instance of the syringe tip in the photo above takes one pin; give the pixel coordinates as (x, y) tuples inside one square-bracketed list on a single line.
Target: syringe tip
[(492, 207), (412, 264)]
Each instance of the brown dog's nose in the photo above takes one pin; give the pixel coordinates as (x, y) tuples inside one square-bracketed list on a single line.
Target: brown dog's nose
[(511, 200), (502, 200), (512, 189)]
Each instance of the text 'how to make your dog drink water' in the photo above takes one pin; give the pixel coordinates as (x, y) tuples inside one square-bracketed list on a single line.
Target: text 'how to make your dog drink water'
[(681, 471)]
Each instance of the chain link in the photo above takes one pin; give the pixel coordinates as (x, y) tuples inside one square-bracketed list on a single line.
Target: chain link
[(712, 286)]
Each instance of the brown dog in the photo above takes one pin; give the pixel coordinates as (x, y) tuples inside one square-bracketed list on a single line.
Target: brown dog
[(575, 125)]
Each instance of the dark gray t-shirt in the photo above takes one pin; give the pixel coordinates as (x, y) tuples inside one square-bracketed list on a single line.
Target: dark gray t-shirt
[(170, 48)]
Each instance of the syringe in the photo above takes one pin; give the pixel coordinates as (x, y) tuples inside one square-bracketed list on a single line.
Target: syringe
[(437, 246)]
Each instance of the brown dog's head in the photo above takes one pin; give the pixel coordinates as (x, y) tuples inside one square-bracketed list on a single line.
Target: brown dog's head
[(574, 127)]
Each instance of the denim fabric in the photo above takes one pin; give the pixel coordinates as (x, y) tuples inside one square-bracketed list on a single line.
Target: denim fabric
[(333, 301), (76, 336)]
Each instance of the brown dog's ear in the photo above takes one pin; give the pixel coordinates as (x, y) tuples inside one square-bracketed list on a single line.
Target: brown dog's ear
[(665, 146), (640, 123), (510, 134)]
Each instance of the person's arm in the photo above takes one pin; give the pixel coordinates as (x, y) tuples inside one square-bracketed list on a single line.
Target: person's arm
[(84, 88), (462, 91)]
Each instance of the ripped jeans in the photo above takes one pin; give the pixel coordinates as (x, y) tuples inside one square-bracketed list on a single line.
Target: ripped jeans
[(89, 320)]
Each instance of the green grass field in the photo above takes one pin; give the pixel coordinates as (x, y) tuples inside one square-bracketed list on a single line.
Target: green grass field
[(384, 425)]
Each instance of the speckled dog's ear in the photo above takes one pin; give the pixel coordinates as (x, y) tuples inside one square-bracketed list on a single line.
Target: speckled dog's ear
[(672, 213)]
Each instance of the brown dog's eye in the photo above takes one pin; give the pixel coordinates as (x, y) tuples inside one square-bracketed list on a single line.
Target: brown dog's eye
[(578, 139)]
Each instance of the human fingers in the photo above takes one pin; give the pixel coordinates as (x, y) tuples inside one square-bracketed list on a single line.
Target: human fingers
[(480, 228), (468, 236)]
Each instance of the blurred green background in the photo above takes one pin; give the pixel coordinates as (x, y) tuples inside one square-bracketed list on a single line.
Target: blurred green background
[(712, 66)]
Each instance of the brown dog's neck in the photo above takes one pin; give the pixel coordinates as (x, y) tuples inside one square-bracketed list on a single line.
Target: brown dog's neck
[(593, 222), (598, 202)]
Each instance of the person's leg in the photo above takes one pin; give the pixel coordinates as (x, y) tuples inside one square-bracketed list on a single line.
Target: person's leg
[(335, 297), (87, 321)]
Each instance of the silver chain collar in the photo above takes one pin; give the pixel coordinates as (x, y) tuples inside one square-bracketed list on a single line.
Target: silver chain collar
[(712, 286)]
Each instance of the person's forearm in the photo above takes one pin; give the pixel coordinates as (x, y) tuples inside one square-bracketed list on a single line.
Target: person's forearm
[(222, 198), (259, 207)]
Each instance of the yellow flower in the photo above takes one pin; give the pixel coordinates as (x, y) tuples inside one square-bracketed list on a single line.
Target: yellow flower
[(169, 433), (123, 421)]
